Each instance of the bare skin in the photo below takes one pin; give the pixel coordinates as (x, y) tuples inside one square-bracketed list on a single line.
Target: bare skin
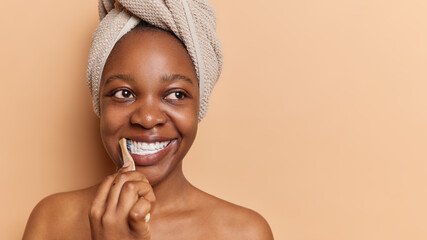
[(149, 93)]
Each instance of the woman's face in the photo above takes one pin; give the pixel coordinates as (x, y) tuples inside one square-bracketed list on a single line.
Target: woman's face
[(149, 95)]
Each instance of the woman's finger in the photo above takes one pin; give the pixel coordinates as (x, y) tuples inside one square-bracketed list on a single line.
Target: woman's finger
[(126, 167), (117, 185), (131, 192), (137, 218), (98, 206)]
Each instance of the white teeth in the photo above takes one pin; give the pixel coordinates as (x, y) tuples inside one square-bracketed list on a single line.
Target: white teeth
[(144, 148)]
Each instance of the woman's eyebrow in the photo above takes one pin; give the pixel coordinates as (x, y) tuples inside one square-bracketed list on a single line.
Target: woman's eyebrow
[(124, 77), (171, 77)]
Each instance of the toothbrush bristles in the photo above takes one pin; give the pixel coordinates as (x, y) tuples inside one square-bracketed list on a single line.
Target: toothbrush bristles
[(128, 143)]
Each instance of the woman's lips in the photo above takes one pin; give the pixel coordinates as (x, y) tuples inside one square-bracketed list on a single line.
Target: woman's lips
[(149, 153)]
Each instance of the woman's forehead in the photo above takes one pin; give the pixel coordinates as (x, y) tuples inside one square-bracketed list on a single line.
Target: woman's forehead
[(149, 51)]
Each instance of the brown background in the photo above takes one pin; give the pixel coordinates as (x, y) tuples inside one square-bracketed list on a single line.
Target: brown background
[(318, 121)]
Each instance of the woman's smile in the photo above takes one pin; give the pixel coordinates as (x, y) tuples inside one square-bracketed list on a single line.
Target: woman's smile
[(146, 148), (150, 153)]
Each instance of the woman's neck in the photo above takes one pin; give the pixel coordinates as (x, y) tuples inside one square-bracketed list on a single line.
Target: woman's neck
[(173, 193)]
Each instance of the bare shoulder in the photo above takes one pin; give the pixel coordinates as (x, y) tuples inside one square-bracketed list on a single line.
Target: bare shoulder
[(60, 216), (235, 222)]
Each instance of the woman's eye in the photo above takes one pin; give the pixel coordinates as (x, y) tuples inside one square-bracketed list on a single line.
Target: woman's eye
[(176, 96), (123, 94)]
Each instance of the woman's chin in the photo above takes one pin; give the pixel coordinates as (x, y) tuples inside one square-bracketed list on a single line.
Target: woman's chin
[(154, 173)]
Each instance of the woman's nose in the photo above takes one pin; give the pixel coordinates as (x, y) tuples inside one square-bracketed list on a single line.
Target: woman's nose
[(148, 113)]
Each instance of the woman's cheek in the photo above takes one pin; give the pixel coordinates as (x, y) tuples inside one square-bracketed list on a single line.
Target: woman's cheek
[(187, 119), (110, 125)]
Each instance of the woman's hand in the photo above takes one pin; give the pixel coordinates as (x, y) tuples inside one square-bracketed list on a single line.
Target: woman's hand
[(120, 207)]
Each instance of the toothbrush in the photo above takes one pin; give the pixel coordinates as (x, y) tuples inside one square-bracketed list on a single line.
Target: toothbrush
[(124, 144), (125, 153)]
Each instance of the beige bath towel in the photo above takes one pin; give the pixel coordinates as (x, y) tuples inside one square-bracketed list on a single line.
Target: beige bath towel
[(192, 21)]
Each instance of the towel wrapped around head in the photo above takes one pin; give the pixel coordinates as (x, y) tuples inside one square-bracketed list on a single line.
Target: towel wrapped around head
[(192, 21)]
